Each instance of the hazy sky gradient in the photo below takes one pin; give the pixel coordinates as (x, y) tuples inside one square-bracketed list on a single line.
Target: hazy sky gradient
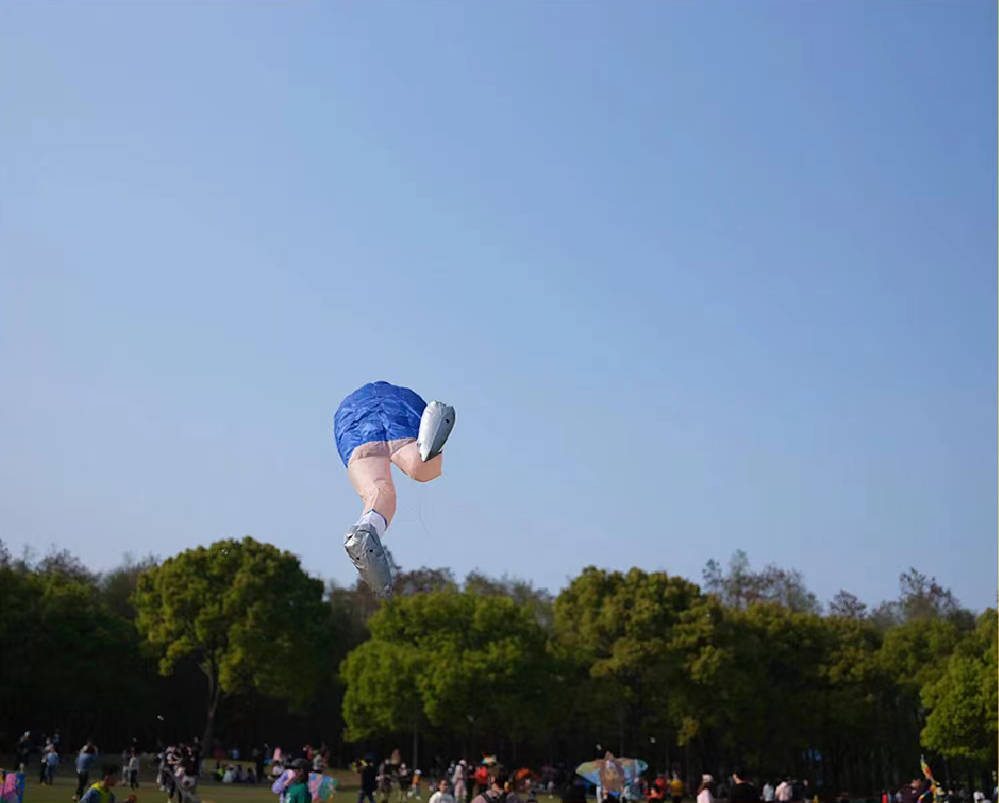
[(697, 277)]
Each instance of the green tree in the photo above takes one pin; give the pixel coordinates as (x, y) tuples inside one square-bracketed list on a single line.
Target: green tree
[(382, 694), (245, 611), (118, 585), (474, 664), (642, 654), (60, 636), (962, 700), (522, 592)]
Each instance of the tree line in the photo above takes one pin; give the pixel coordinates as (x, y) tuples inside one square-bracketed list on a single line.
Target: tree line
[(235, 643)]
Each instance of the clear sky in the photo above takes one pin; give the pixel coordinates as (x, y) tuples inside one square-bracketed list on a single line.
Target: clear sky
[(696, 276)]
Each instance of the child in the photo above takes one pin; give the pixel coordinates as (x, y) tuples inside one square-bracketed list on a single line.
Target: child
[(442, 795), (298, 787), (100, 792)]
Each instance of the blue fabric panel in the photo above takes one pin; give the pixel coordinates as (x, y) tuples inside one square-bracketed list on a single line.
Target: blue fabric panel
[(378, 411)]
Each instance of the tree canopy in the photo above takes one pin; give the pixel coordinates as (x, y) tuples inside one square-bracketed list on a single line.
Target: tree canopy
[(746, 668), (244, 611)]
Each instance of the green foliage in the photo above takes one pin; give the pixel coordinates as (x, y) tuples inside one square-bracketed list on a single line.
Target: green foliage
[(749, 672), (447, 657), (644, 647), (64, 645), (245, 611), (961, 699)]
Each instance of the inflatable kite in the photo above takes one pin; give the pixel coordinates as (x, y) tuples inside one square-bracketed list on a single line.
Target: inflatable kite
[(375, 426), (321, 786), (612, 774)]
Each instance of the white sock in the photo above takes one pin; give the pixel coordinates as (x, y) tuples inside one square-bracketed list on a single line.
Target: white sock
[(376, 520)]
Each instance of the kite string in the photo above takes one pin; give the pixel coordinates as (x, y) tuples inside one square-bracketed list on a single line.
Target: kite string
[(419, 514)]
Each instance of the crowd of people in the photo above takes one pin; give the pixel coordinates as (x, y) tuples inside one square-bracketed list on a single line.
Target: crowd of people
[(86, 760), (178, 770), (391, 780)]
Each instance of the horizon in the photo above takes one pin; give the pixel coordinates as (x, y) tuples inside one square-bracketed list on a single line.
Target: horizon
[(32, 560)]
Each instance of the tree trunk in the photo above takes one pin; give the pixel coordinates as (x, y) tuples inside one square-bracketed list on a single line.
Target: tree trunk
[(416, 743), (214, 695)]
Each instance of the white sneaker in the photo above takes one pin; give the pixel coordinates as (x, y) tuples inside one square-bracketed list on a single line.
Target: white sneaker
[(365, 550), (435, 426)]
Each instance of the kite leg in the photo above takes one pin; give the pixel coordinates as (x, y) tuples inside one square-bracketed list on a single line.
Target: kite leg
[(372, 479), (409, 461)]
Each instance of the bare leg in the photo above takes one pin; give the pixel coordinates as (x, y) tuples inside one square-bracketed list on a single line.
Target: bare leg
[(372, 479), (408, 459)]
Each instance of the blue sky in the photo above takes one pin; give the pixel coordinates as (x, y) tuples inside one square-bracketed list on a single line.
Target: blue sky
[(697, 277)]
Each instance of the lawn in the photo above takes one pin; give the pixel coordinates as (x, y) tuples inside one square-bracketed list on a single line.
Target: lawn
[(211, 792)]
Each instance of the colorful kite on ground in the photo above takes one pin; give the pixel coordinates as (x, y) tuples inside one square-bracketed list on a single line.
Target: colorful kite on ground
[(612, 774), (321, 787), (928, 774)]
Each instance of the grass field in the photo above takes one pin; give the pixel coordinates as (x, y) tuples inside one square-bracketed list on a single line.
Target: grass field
[(211, 792)]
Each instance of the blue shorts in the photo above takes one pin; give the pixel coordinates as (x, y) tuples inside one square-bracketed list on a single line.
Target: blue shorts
[(376, 412)]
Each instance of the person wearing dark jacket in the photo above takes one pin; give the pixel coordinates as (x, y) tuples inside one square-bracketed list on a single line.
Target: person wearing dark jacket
[(495, 793), (369, 780), (742, 790)]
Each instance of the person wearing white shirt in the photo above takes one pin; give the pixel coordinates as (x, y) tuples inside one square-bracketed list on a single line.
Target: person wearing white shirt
[(784, 792), (706, 789), (768, 792), (133, 770), (442, 795), (459, 780)]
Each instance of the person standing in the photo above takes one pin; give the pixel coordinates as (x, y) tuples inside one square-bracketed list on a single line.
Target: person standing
[(23, 750), (768, 792), (405, 781), (742, 790), (369, 780), (676, 788), (43, 763), (386, 770), (133, 770), (460, 781), (705, 792), (84, 761), (51, 760), (784, 793)]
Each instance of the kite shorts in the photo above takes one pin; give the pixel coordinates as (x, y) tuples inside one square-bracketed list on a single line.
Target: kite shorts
[(377, 419)]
